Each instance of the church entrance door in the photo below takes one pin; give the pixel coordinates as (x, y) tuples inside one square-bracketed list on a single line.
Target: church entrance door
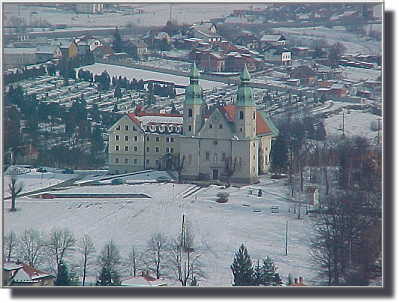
[(215, 174)]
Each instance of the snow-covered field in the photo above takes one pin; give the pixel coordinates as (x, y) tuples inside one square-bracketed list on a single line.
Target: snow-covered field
[(219, 228), (357, 123), (138, 74), (153, 14), (351, 41), (360, 74), (33, 180)]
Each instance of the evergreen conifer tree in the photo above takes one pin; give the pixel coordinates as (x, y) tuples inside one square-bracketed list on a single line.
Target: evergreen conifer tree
[(108, 277), (63, 277), (268, 273), (117, 43), (242, 268), (279, 154)]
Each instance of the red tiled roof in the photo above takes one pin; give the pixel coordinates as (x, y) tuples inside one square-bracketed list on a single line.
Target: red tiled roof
[(261, 124), (33, 272), (133, 118)]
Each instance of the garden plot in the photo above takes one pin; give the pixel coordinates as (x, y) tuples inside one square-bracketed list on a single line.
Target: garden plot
[(219, 228)]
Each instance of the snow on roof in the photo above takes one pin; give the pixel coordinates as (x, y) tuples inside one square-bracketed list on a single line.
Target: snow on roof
[(337, 86), (270, 38), (11, 266), (145, 120), (29, 274), (143, 281)]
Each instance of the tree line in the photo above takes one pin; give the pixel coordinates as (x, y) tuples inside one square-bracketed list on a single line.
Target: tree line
[(73, 260)]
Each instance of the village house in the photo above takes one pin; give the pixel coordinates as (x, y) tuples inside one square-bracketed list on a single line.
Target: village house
[(89, 8), (208, 60), (221, 142), (268, 40), (21, 274), (140, 47), (278, 55), (305, 74), (101, 51), (247, 39), (206, 31)]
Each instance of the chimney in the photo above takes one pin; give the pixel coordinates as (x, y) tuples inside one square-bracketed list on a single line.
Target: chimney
[(296, 281), (300, 280)]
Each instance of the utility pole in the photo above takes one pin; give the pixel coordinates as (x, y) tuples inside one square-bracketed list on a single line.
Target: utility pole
[(170, 13), (286, 239), (378, 130), (343, 122)]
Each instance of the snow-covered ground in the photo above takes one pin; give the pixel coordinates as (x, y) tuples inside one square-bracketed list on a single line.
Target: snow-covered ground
[(219, 228), (353, 43), (360, 74), (153, 14), (33, 180), (357, 123), (138, 74)]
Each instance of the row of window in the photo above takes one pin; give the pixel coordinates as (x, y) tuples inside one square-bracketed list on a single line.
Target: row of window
[(117, 138), (168, 149), (126, 127), (135, 161), (190, 114)]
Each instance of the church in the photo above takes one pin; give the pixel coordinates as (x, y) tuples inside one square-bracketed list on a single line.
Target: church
[(224, 142)]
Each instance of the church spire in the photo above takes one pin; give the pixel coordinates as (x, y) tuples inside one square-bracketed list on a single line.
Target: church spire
[(244, 92), (245, 74), (194, 74), (194, 90)]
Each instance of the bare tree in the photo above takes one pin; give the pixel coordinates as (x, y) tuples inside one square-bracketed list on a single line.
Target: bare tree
[(157, 247), (133, 261), (178, 164), (229, 168), (59, 244), (338, 244), (184, 260), (10, 245), (14, 189), (87, 249), (109, 261), (31, 247)]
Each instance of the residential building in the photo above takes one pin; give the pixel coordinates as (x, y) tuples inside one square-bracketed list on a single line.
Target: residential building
[(89, 8), (143, 140), (209, 60), (268, 40), (223, 142), (305, 74), (140, 46), (20, 274), (206, 31), (248, 40), (278, 55)]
